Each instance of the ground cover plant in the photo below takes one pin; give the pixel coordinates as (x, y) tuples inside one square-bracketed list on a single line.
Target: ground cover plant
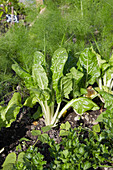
[(75, 150)]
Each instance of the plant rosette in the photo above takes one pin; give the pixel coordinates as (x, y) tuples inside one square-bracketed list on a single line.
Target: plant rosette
[(48, 87)]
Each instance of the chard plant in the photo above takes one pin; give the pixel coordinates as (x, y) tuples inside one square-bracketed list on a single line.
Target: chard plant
[(49, 87), (9, 113), (105, 81), (95, 70)]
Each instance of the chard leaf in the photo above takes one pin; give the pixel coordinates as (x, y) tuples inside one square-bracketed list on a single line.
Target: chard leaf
[(9, 113), (105, 66), (100, 60), (39, 58), (39, 76), (41, 94), (109, 77), (58, 61), (83, 104), (77, 75), (66, 85), (88, 64), (23, 74), (30, 101), (70, 81), (108, 98)]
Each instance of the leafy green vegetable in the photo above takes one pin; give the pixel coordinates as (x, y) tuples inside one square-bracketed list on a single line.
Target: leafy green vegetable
[(88, 64), (8, 113), (48, 90)]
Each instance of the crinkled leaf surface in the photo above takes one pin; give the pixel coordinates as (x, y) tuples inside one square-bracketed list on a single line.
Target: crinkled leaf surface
[(39, 76), (88, 64), (58, 61), (66, 85), (39, 58), (38, 72), (83, 104), (109, 76), (108, 98), (77, 75)]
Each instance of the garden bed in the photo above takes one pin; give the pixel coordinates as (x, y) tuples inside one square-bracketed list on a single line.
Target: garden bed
[(22, 127)]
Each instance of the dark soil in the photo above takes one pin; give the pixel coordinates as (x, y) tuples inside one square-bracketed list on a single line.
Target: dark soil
[(22, 127)]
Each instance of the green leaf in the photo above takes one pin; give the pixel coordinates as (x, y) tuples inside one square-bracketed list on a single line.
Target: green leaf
[(83, 91), (16, 99), (65, 152), (18, 147), (9, 113), (65, 126), (9, 166), (100, 117), (41, 94), (21, 157), (108, 98), (43, 137), (96, 128), (105, 66), (46, 128), (39, 59), (111, 60), (77, 75), (30, 101), (38, 113), (36, 132), (109, 77), (66, 85), (24, 139), (10, 159), (64, 133), (88, 64), (39, 76), (86, 165), (58, 61), (83, 104), (23, 74)]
